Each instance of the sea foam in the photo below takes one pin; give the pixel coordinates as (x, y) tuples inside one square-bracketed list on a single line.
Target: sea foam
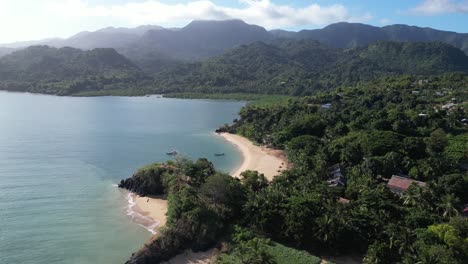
[(137, 217)]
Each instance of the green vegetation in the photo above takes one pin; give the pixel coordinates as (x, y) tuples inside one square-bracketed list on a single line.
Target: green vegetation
[(374, 130), (286, 255), (113, 92), (390, 126), (248, 248), (300, 67), (282, 67), (66, 71), (218, 96)]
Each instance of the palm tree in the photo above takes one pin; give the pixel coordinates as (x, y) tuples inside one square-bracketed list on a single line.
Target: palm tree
[(448, 204), (254, 252), (413, 197)]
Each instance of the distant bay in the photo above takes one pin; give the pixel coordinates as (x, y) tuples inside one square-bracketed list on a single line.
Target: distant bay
[(61, 156)]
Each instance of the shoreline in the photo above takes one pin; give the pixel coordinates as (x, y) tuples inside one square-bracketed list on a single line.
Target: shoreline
[(268, 161), (148, 212)]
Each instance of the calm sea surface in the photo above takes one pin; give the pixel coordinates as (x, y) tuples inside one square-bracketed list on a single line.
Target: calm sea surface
[(60, 158)]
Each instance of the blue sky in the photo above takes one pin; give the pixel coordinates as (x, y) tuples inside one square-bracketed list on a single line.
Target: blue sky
[(28, 20)]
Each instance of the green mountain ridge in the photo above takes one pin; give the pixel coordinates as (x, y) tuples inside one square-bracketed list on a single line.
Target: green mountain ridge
[(202, 39), (298, 67), (67, 70), (290, 67), (351, 35)]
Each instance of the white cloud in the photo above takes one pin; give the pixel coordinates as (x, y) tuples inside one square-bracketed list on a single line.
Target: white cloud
[(261, 12), (436, 7)]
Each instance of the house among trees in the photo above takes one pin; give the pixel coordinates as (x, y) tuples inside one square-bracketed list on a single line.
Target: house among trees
[(399, 184), (326, 106), (343, 200), (336, 176)]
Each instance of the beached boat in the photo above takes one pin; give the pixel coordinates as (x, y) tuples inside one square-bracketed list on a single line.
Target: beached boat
[(219, 154)]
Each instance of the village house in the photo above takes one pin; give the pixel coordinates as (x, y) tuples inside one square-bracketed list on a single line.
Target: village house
[(336, 176), (449, 106), (343, 200), (326, 106), (421, 82), (399, 184)]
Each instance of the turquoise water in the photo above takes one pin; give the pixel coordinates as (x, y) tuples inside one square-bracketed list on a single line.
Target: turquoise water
[(60, 158)]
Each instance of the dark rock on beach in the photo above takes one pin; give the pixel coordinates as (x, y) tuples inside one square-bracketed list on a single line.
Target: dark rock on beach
[(148, 180)]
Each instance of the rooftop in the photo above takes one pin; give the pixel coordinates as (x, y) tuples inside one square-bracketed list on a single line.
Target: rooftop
[(402, 183)]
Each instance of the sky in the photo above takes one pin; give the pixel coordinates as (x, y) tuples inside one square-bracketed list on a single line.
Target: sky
[(22, 20)]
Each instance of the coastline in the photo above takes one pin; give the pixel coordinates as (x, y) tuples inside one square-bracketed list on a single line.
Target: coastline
[(149, 212), (270, 162)]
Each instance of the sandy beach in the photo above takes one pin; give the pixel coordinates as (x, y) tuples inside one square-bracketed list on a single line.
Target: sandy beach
[(270, 162), (153, 207), (264, 160)]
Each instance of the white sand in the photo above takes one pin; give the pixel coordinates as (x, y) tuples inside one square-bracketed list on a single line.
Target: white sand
[(154, 207), (267, 161), (264, 160)]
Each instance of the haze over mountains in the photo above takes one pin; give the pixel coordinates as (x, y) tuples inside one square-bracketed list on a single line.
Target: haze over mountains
[(201, 39)]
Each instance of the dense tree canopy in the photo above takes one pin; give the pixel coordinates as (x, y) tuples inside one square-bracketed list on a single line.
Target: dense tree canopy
[(289, 67)]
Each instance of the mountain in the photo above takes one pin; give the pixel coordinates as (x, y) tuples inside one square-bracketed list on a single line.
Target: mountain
[(66, 70), (24, 44), (154, 48), (302, 67), (5, 51), (350, 35), (284, 66), (104, 38), (201, 39)]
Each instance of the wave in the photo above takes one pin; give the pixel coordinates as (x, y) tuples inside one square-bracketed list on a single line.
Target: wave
[(137, 217)]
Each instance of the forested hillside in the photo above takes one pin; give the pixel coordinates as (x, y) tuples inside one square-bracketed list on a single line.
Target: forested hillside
[(288, 67), (391, 126), (346, 146), (64, 71), (304, 67), (351, 35)]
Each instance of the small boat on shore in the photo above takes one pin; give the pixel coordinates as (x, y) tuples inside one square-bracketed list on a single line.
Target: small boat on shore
[(219, 154), (172, 152)]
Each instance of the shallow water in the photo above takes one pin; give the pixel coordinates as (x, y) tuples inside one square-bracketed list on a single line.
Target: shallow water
[(60, 158)]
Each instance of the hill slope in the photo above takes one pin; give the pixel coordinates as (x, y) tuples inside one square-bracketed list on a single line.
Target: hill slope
[(153, 48), (66, 70), (302, 67), (199, 39), (293, 67), (351, 35)]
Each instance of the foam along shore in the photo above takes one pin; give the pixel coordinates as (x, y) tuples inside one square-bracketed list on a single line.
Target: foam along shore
[(152, 211), (270, 162)]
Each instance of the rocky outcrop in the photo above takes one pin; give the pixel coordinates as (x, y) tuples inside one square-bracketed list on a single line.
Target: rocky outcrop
[(149, 180)]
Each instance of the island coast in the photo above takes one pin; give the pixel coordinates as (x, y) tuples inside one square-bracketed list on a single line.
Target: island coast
[(268, 161)]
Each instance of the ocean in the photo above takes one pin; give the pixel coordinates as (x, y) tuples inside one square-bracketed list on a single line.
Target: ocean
[(61, 158)]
